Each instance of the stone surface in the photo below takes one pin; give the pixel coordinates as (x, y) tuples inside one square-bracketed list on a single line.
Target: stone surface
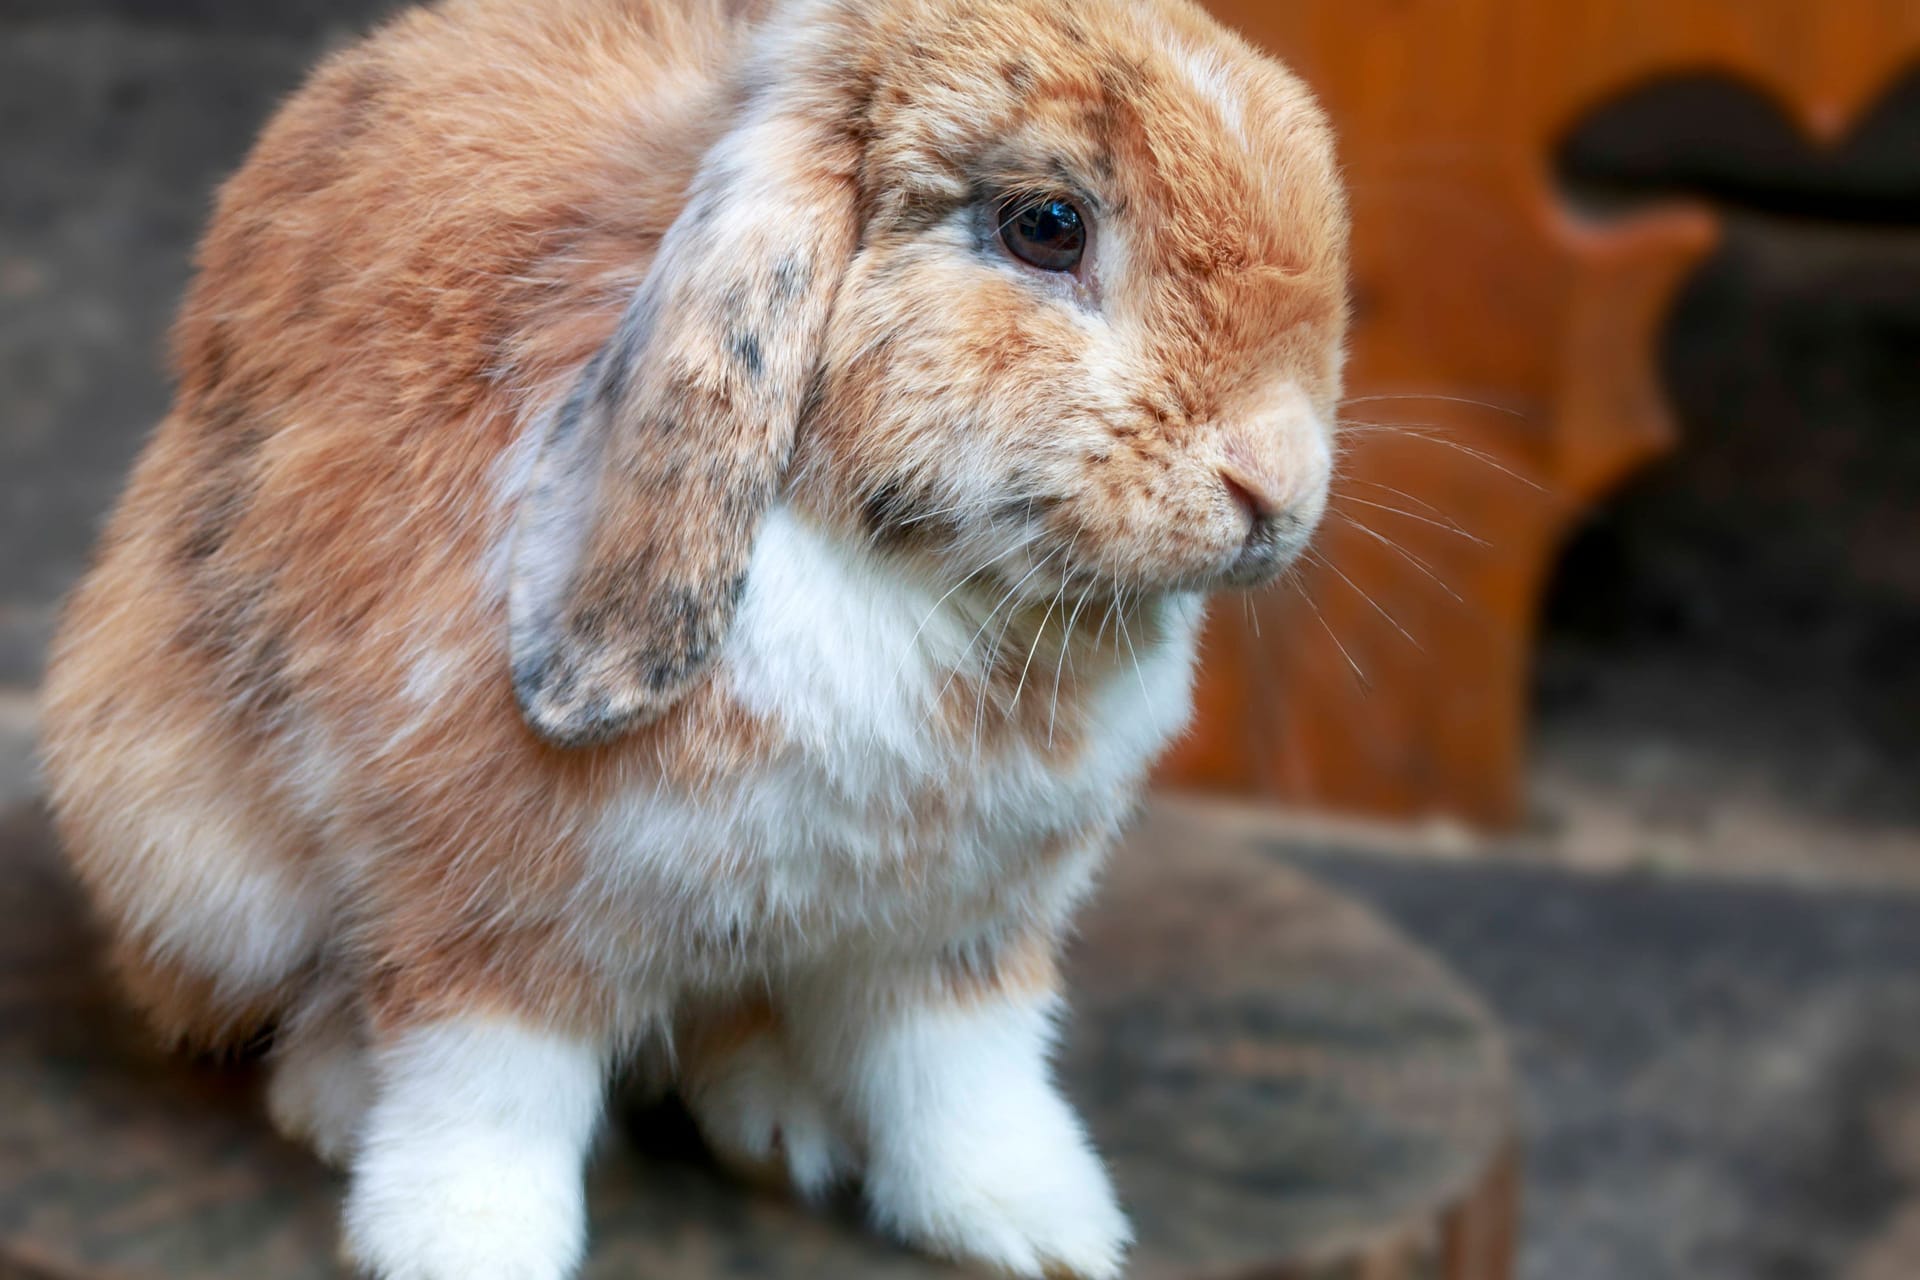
[(1721, 1081), (1277, 1079)]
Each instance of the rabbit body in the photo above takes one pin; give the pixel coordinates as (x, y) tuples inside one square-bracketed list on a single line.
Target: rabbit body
[(541, 637)]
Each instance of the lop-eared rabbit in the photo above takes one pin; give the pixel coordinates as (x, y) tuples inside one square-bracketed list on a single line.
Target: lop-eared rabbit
[(682, 529)]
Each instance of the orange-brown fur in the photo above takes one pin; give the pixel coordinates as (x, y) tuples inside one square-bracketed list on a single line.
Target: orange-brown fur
[(580, 402), (313, 514), (582, 405), (402, 362)]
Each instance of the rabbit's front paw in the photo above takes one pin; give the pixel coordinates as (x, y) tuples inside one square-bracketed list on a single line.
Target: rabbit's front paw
[(469, 1165), (466, 1212), (1015, 1186)]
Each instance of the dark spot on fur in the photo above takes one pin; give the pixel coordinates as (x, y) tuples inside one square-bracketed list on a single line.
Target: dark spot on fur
[(792, 276), (209, 528), (743, 501), (234, 633), (701, 210), (1123, 79), (744, 345), (360, 103), (224, 491), (1018, 74), (1121, 88), (856, 122), (684, 621), (531, 677), (265, 685)]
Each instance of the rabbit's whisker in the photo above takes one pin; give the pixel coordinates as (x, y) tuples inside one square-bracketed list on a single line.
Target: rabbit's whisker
[(914, 641), (1507, 409), (1434, 433), (961, 662), (1039, 634), (1066, 641), (1360, 677), (925, 516), (1448, 526), (1334, 569), (1420, 502), (1106, 615), (1403, 553), (1131, 651)]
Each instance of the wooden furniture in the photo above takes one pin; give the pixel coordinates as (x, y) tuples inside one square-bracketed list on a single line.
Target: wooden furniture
[(1284, 1086), (1515, 343)]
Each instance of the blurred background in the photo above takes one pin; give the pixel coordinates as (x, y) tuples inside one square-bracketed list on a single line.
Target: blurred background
[(1607, 685)]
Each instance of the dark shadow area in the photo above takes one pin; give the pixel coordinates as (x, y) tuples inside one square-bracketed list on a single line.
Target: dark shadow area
[(1752, 604), (280, 18), (1716, 139)]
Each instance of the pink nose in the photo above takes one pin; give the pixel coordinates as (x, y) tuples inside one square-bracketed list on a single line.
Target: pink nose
[(1259, 496)]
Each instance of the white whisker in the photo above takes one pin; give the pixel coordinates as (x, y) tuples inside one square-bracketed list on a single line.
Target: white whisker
[(1366, 685), (1403, 553), (1507, 409), (1066, 640), (1454, 529), (1335, 570)]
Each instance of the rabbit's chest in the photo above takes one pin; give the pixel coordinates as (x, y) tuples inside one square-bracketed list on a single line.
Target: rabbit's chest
[(870, 816)]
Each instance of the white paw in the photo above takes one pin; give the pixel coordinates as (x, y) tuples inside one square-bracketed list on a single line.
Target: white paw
[(470, 1164), (320, 1087), (763, 1118), (465, 1211), (1017, 1188)]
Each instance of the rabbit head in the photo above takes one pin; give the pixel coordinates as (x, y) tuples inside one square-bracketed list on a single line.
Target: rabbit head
[(1038, 294)]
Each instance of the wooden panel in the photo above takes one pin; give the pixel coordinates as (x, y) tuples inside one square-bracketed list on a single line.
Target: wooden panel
[(1512, 350)]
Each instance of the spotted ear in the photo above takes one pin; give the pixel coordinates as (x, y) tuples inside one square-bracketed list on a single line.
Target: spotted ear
[(631, 544)]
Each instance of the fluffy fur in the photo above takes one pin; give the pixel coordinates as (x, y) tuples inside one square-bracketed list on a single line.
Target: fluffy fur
[(634, 565)]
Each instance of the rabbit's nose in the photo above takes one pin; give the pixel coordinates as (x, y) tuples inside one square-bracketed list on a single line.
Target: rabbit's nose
[(1270, 505), (1258, 496)]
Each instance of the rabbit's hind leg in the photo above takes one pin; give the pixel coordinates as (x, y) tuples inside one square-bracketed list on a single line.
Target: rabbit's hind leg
[(215, 911), (760, 1113), (321, 1082)]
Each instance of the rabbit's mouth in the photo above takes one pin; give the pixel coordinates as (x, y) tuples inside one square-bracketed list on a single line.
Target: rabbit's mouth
[(1272, 545)]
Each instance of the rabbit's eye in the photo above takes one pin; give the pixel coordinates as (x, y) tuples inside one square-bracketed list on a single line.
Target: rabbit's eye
[(1048, 233)]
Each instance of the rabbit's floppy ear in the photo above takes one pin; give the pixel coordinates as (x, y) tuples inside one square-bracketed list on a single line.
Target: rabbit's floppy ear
[(631, 544)]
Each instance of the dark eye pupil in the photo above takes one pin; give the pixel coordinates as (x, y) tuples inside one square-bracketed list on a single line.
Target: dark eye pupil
[(1046, 233)]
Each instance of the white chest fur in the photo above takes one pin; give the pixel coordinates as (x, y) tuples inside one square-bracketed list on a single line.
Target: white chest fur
[(872, 821)]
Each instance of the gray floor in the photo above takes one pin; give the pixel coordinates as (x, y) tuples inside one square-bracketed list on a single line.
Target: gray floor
[(1722, 1080)]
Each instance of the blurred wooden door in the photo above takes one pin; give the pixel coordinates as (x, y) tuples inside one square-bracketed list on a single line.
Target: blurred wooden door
[(1503, 376)]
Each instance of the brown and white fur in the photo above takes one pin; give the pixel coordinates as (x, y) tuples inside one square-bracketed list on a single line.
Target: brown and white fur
[(636, 568)]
